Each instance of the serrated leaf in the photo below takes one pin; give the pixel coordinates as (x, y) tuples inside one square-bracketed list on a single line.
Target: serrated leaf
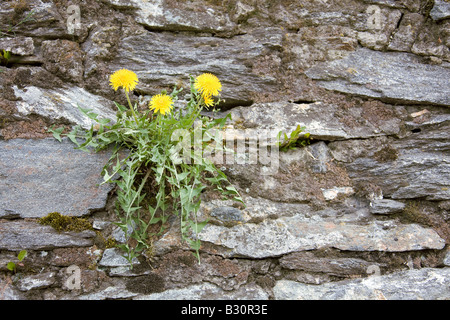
[(56, 133)]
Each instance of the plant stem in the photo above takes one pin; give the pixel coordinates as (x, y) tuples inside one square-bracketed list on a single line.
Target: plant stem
[(131, 107)]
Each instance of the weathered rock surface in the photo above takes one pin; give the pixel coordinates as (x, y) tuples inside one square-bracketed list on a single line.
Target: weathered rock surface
[(307, 261), (440, 10), (175, 56), (42, 176), (39, 281), (164, 15), (22, 235), (428, 284), (285, 235), (22, 46), (412, 167), (62, 104), (390, 76), (208, 291), (386, 206)]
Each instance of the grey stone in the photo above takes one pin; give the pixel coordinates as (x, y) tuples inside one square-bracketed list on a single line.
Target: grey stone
[(407, 32), (377, 36), (440, 10), (63, 58), (423, 284), (386, 206), (393, 76), (21, 235), (307, 261), (429, 43), (161, 15), (8, 291), (271, 118), (393, 3), (447, 259), (227, 213), (272, 238), (45, 22), (174, 56), (118, 291), (22, 46), (416, 166), (113, 257), (38, 281), (293, 176), (43, 176), (208, 291), (62, 104)]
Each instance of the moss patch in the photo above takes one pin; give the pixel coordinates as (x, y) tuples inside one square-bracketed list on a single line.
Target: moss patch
[(65, 223)]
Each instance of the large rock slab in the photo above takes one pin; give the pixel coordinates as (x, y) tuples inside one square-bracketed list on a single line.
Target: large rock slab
[(334, 124), (393, 76), (307, 261), (208, 291), (423, 284), (164, 59), (42, 176), (415, 166), (273, 238), (21, 235), (168, 15), (62, 104)]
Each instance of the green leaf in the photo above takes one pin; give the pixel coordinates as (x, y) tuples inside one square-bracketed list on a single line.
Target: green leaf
[(56, 133), (6, 54), (198, 227), (120, 107), (11, 266), (22, 255)]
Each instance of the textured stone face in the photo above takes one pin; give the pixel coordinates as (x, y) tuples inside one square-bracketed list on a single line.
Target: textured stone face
[(390, 76), (23, 235), (406, 285), (174, 56), (286, 235), (43, 176)]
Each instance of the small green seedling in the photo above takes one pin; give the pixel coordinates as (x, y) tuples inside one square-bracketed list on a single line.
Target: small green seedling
[(293, 140), (5, 56), (12, 266)]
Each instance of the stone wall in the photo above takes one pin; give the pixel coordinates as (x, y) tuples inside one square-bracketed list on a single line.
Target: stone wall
[(361, 213)]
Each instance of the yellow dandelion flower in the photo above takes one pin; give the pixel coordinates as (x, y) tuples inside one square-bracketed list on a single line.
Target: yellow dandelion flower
[(208, 101), (124, 78), (208, 85), (161, 103)]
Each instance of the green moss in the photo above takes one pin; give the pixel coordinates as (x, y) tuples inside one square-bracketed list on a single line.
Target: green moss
[(65, 223)]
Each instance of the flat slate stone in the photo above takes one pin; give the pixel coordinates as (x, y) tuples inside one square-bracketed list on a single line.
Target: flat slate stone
[(62, 104), (426, 283), (42, 176), (22, 234), (396, 76), (208, 291), (386, 206), (273, 238)]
